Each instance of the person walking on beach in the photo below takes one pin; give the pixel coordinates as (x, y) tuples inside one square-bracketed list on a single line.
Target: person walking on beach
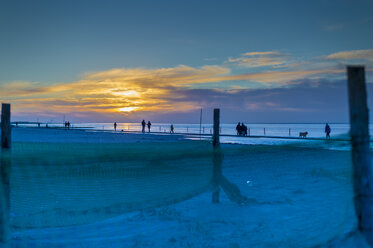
[(243, 129), (143, 126), (238, 128), (149, 125), (172, 128), (115, 126), (327, 131)]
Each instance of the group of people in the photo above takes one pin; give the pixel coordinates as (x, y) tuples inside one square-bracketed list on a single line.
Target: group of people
[(241, 129), (67, 124), (143, 124)]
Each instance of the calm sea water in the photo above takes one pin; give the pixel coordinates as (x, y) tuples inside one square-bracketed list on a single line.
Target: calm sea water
[(284, 130)]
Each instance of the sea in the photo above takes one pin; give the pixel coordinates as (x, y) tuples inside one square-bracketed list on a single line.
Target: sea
[(266, 131)]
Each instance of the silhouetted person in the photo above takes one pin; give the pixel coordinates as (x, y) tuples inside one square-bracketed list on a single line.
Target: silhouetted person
[(149, 125), (327, 131), (38, 124), (143, 126), (238, 128), (172, 129), (243, 129), (115, 126)]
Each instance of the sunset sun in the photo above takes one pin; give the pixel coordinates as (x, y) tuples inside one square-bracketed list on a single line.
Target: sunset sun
[(128, 109)]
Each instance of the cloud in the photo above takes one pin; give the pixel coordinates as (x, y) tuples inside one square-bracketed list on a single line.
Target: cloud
[(113, 91), (180, 75), (130, 93), (281, 77), (267, 53), (320, 100), (20, 89), (352, 55), (259, 59)]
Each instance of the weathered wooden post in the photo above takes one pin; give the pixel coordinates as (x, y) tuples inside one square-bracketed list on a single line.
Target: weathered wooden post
[(217, 157), (359, 132), (200, 123), (216, 138), (5, 126), (5, 173)]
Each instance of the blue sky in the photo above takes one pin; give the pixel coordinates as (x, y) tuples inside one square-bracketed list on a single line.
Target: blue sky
[(51, 50)]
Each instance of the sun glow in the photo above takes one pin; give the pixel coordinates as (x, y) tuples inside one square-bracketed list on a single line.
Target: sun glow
[(128, 109), (131, 93)]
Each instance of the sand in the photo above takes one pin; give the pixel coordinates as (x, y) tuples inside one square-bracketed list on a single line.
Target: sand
[(297, 196)]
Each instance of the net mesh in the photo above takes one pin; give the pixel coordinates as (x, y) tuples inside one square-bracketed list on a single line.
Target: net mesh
[(69, 184), (158, 194)]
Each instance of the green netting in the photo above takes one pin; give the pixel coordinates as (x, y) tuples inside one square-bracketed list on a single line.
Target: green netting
[(156, 194), (70, 184)]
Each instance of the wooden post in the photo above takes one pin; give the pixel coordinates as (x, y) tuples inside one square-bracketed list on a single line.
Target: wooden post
[(4, 175), (200, 123), (216, 140), (359, 132), (5, 126), (217, 159)]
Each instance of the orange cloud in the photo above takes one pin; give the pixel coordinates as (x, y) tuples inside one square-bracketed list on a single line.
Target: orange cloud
[(259, 59), (113, 91), (280, 77), (353, 55), (125, 91)]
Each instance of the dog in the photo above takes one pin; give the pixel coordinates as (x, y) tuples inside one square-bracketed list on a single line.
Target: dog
[(303, 134)]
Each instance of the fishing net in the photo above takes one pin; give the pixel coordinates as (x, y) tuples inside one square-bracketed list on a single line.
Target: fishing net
[(69, 184), (159, 194)]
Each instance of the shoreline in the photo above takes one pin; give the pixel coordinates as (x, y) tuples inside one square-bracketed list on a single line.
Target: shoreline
[(58, 135), (91, 129)]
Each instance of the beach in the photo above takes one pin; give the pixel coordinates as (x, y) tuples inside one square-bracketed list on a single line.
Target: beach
[(81, 191)]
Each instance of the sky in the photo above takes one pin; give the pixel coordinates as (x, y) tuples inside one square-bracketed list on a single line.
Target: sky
[(258, 61)]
